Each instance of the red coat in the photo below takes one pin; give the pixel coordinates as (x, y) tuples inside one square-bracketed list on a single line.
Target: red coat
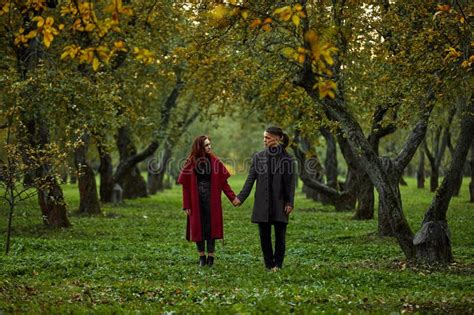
[(188, 179)]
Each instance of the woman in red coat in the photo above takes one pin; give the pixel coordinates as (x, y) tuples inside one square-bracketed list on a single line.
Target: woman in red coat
[(204, 177)]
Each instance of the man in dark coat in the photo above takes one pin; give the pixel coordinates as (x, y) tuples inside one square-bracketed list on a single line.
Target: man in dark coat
[(273, 170)]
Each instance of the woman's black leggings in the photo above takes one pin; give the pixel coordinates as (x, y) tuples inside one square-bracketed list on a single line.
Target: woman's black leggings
[(210, 245)]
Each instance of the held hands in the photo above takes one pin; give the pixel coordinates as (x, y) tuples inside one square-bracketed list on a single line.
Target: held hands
[(236, 202), (288, 209)]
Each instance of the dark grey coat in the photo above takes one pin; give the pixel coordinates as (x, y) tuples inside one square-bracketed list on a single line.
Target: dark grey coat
[(259, 172)]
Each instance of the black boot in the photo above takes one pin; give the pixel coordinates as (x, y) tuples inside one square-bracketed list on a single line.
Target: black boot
[(202, 261), (210, 261)]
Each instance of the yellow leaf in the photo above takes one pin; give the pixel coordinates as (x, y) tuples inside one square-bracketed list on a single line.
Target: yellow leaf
[(64, 55), (49, 21), (90, 27), (326, 53), (47, 39), (39, 20), (31, 34), (5, 9), (244, 14), (285, 13), (219, 12), (301, 58), (326, 89), (18, 40), (267, 21), (311, 36), (296, 20), (267, 28), (255, 23), (119, 44), (103, 53), (95, 64), (235, 11), (298, 7), (281, 10), (444, 8), (288, 52)]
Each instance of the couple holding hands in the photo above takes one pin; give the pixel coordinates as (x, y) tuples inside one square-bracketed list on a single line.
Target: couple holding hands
[(204, 177)]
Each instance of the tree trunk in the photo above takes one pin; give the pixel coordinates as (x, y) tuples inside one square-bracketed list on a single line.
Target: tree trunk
[(311, 169), (132, 182), (64, 176), (435, 157), (384, 227), (330, 164), (420, 174), (155, 182), (458, 185), (311, 193), (314, 168), (50, 194), (72, 179), (53, 207), (309, 178), (433, 241), (89, 200), (366, 199), (134, 185), (434, 178), (358, 194), (365, 193), (157, 171), (106, 175)]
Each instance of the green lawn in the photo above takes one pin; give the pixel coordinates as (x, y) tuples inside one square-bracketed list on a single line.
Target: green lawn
[(135, 258)]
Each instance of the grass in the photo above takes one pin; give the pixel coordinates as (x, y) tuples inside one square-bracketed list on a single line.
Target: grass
[(134, 259)]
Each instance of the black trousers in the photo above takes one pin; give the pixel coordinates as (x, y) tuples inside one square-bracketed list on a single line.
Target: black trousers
[(211, 245), (204, 189), (270, 257)]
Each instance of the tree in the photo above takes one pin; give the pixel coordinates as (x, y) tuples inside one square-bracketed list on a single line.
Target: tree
[(312, 71), (23, 48), (11, 173), (420, 174), (440, 143)]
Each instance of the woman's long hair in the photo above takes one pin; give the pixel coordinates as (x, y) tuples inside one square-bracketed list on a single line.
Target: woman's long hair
[(198, 151), (277, 131)]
